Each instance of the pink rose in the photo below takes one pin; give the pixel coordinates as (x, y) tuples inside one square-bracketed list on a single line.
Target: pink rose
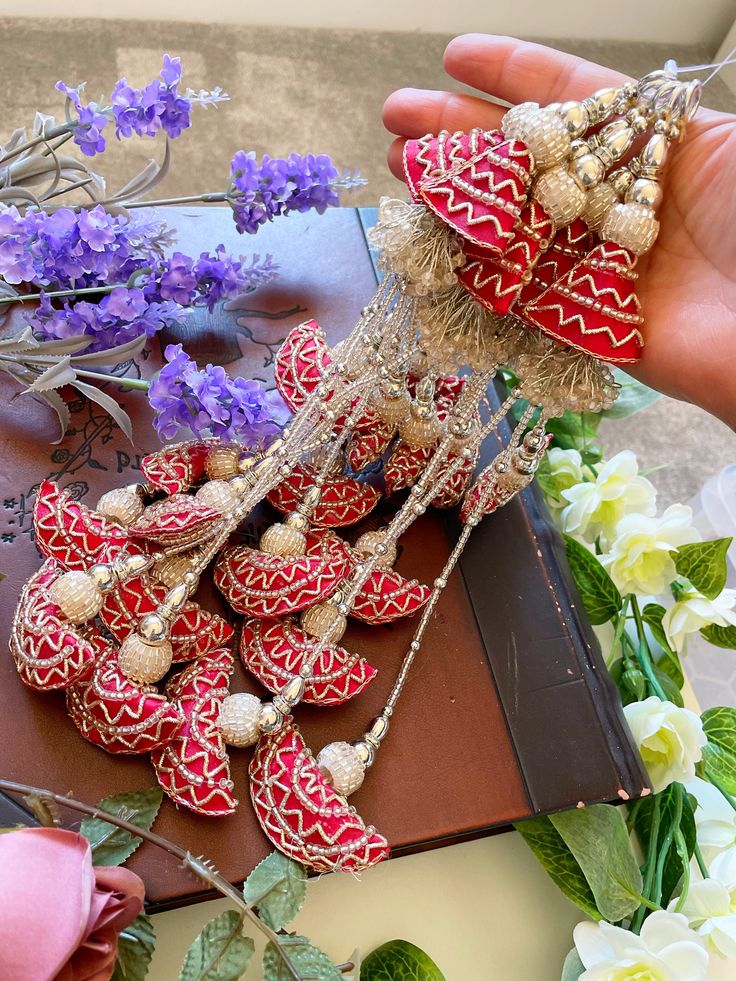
[(60, 917)]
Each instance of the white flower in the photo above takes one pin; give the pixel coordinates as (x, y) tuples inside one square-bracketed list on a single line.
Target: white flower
[(693, 611), (596, 507), (710, 905), (670, 740), (665, 950), (566, 469), (639, 559), (715, 819)]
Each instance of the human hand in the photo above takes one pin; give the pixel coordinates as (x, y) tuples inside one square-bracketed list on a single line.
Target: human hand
[(687, 283)]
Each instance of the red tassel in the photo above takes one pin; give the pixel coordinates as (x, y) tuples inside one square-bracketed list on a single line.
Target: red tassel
[(433, 156), (482, 201), (496, 280), (569, 245), (594, 308)]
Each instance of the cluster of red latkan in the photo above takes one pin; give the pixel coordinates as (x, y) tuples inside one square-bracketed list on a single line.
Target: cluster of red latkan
[(562, 281), (109, 709), (177, 722)]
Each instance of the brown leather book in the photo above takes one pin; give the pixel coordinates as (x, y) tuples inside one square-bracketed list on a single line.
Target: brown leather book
[(509, 711)]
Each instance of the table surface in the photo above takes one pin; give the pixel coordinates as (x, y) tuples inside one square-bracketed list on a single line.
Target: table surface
[(484, 910)]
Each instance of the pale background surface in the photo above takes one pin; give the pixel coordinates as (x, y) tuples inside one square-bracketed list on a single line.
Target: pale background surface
[(484, 910)]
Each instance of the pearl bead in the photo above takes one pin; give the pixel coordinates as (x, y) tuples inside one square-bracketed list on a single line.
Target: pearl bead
[(122, 505), (222, 462), (279, 539), (144, 662), (77, 595), (341, 767), (324, 620), (239, 719), (219, 495)]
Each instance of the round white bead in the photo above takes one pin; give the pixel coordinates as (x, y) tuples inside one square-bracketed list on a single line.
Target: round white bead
[(77, 595), (239, 719), (342, 767), (144, 662), (122, 505), (219, 495)]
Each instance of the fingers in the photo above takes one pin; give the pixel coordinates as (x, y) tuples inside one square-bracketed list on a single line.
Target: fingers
[(415, 112), (395, 157), (519, 71)]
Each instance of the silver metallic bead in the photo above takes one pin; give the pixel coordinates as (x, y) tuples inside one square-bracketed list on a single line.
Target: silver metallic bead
[(588, 170), (575, 117), (341, 767), (365, 752), (270, 718), (645, 191), (373, 543), (77, 595), (153, 628), (239, 719), (103, 576)]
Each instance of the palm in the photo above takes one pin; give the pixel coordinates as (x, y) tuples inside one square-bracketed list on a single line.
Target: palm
[(687, 284)]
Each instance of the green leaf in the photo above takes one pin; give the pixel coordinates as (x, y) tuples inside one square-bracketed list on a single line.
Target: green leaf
[(600, 597), (643, 826), (135, 950), (398, 960), (277, 887), (573, 967), (632, 397), (575, 431), (669, 687), (669, 662), (220, 952), (704, 564), (720, 636), (558, 862), (310, 962), (719, 756), (112, 845), (598, 838)]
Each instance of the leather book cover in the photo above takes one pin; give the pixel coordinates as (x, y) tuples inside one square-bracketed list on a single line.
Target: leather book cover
[(509, 710)]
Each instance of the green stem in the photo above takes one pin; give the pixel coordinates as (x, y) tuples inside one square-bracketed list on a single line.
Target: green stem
[(717, 783), (633, 811), (681, 846), (701, 861), (649, 864), (211, 197), (644, 655), (648, 904), (619, 629), (665, 849), (137, 384), (34, 141), (82, 291)]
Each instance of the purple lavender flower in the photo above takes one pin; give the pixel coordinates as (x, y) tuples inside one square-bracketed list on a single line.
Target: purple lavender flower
[(260, 192), (90, 121), (122, 315), (208, 402), (156, 106), (208, 280)]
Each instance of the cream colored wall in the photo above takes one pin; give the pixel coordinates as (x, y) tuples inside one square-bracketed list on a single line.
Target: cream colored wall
[(706, 21)]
